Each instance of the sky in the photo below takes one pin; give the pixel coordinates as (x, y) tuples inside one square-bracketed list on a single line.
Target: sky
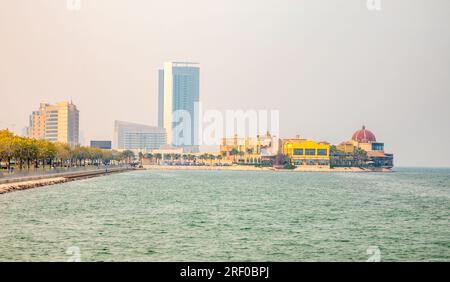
[(328, 66)]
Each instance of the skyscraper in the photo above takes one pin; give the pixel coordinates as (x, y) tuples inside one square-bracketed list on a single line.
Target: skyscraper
[(179, 87), (57, 123), (161, 98)]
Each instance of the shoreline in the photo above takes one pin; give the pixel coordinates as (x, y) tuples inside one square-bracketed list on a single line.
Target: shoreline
[(13, 185), (252, 168), (25, 183)]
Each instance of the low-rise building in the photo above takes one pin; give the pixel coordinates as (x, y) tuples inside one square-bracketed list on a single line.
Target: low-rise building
[(138, 137), (250, 150), (104, 145), (303, 152), (347, 153)]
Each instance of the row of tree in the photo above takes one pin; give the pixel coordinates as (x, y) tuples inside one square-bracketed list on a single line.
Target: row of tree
[(178, 157), (27, 152), (201, 158), (357, 158)]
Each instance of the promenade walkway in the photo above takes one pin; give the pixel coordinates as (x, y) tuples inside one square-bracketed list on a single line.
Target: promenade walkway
[(33, 174)]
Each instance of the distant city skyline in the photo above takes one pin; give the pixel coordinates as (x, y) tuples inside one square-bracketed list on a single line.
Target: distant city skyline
[(328, 67)]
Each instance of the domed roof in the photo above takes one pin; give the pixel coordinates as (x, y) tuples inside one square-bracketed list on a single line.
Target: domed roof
[(364, 136)]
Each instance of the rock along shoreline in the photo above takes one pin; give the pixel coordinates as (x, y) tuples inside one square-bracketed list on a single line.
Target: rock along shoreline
[(12, 185)]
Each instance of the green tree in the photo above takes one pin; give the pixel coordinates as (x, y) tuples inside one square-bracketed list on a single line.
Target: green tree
[(234, 152), (128, 155), (46, 152), (25, 151), (158, 157), (241, 154), (6, 147), (360, 157), (63, 154)]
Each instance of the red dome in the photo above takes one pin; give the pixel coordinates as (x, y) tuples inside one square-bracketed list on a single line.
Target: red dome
[(363, 136)]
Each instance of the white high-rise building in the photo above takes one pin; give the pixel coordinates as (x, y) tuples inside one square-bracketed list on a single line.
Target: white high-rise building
[(138, 137), (161, 98), (179, 88)]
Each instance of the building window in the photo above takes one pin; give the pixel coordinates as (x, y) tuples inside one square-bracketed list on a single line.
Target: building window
[(377, 146), (310, 152), (310, 162), (298, 152), (321, 152)]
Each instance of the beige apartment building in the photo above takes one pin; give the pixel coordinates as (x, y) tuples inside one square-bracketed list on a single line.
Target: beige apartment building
[(56, 123)]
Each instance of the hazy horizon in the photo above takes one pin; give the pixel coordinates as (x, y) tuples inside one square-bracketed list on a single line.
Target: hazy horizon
[(329, 67)]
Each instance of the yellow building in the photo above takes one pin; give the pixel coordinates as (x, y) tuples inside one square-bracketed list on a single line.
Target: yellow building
[(57, 123), (347, 147), (306, 152)]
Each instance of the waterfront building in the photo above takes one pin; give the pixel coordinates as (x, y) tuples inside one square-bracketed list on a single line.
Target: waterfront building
[(57, 123), (304, 152), (346, 147), (250, 150), (178, 92), (137, 137), (105, 145), (161, 98), (366, 140)]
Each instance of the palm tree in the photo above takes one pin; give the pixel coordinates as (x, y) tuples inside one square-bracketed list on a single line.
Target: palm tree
[(241, 154), (185, 158), (234, 152), (201, 157), (158, 157), (360, 157), (128, 155), (212, 158), (141, 156)]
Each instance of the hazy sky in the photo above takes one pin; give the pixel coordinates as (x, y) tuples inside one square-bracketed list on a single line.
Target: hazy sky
[(327, 66)]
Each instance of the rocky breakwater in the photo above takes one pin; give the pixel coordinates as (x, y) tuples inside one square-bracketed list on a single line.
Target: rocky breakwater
[(23, 185)]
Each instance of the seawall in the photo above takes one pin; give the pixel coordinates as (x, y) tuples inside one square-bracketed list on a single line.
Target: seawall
[(23, 183)]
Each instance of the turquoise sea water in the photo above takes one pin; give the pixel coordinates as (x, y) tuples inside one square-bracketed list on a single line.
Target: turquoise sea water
[(232, 216)]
